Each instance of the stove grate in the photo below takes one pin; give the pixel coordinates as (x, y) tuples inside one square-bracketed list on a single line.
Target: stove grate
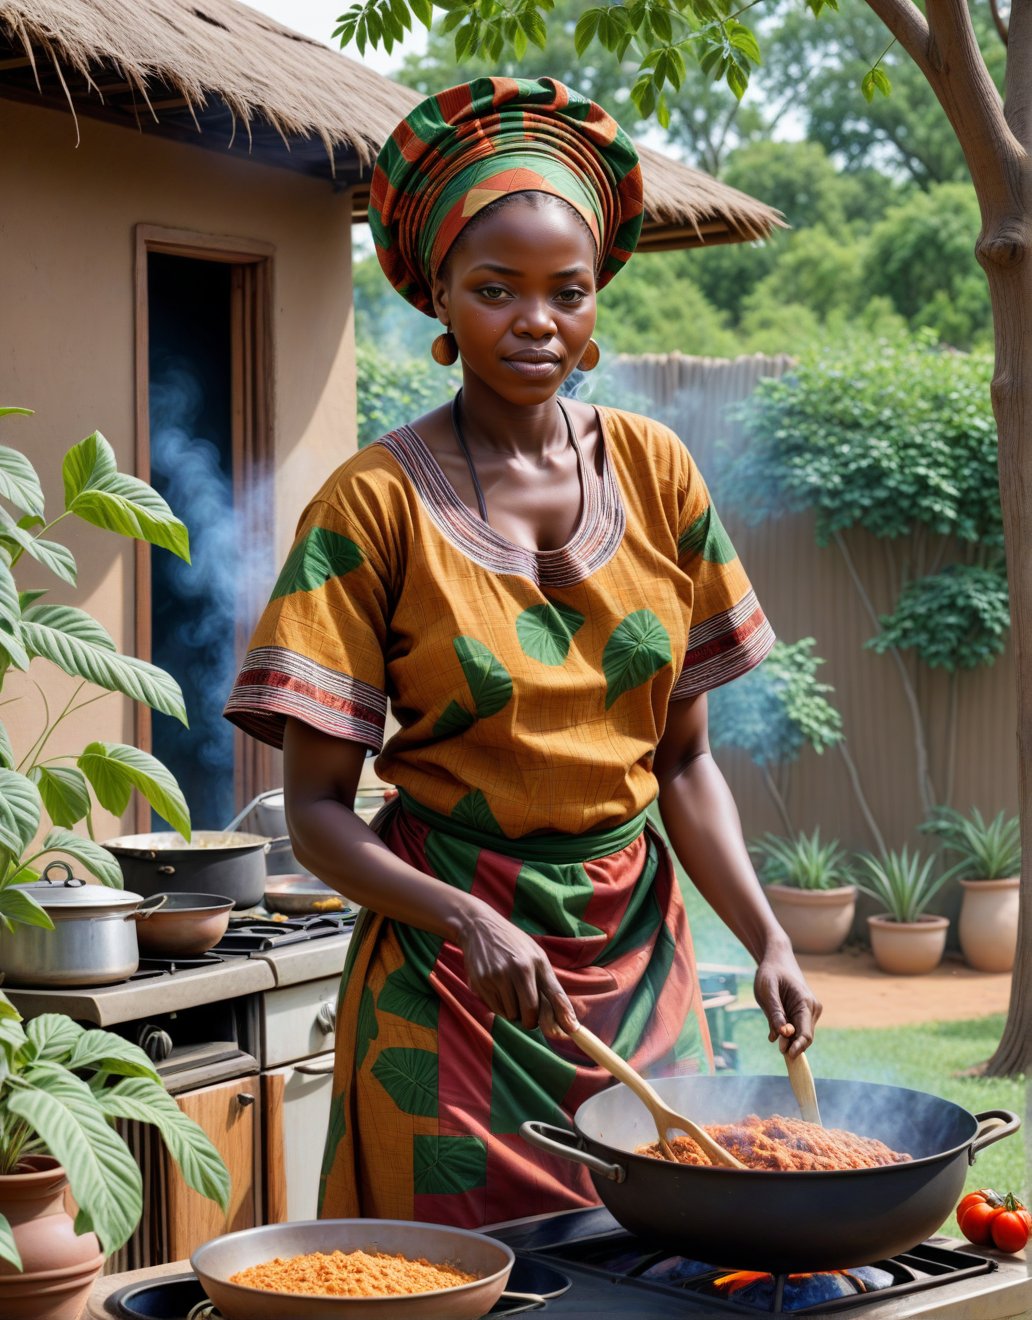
[(622, 1258)]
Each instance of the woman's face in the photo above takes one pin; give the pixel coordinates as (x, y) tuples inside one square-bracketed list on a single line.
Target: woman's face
[(518, 294)]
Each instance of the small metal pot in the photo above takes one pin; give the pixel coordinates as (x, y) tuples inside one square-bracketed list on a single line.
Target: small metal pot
[(231, 865), (185, 926), (93, 941)]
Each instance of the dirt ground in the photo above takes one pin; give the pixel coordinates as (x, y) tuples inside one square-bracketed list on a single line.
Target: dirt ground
[(856, 994)]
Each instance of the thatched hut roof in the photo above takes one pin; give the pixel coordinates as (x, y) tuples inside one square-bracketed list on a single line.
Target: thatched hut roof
[(217, 73)]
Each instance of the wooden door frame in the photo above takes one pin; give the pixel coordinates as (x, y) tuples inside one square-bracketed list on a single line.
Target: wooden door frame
[(252, 412)]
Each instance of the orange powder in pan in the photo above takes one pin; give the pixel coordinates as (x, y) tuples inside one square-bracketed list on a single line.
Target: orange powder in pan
[(351, 1274)]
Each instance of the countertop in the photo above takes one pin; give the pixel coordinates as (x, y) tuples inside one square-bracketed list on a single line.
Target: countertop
[(106, 1005)]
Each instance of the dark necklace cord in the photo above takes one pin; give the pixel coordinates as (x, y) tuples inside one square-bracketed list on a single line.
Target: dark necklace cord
[(571, 436)]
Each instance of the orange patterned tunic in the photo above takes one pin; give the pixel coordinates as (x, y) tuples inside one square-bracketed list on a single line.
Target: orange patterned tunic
[(531, 688)]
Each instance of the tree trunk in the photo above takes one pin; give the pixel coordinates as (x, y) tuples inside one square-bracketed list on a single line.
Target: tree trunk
[(1010, 286)]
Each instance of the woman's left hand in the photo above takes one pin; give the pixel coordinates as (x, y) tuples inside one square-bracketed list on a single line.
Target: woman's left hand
[(788, 1002)]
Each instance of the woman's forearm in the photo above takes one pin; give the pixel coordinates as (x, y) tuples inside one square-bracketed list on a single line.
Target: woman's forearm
[(334, 844), (705, 832)]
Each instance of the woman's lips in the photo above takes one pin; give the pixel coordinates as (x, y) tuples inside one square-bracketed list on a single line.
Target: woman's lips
[(533, 368)]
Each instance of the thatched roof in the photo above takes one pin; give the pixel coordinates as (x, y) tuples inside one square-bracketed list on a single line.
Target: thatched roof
[(218, 74)]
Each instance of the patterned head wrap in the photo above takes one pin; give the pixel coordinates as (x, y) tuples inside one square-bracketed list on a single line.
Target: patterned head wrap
[(468, 146)]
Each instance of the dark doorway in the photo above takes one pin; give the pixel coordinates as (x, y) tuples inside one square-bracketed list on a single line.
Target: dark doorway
[(195, 607)]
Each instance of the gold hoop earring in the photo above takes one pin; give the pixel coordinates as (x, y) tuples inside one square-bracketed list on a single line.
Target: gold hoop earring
[(590, 358), (444, 350)]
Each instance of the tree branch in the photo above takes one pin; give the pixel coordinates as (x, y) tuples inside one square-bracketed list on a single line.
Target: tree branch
[(945, 49), (1001, 26), (861, 797), (1017, 85)]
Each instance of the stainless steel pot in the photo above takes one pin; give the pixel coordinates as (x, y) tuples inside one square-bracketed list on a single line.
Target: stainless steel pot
[(93, 941), (186, 926), (267, 815), (213, 862)]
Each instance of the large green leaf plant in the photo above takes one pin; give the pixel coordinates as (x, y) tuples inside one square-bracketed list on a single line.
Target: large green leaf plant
[(62, 1089), (36, 786), (63, 1086)]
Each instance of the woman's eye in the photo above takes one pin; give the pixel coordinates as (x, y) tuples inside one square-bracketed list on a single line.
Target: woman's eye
[(493, 292), (571, 296)]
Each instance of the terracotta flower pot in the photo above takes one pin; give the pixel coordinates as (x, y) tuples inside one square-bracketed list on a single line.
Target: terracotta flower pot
[(59, 1265), (988, 925), (815, 920), (908, 948)]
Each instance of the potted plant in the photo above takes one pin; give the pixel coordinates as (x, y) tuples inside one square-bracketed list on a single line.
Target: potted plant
[(62, 1088), (988, 867), (36, 785), (807, 884), (905, 939)]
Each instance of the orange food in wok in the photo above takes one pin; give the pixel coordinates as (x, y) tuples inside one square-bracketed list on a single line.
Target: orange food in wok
[(784, 1145)]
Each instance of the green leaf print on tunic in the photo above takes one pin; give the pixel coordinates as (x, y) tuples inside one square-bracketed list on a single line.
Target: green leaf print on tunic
[(407, 995), (456, 719), (638, 648), (707, 539), (322, 555), (488, 679), (489, 684), (367, 1030), (410, 1079), (442, 1165), (545, 631), (473, 810)]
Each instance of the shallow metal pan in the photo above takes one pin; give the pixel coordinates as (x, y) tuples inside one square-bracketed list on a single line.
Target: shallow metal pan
[(490, 1260)]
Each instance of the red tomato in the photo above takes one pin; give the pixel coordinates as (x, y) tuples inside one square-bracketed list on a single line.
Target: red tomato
[(986, 1218), (972, 1198), (1010, 1229), (976, 1222)]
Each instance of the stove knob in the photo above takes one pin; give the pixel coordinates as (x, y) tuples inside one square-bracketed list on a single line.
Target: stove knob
[(155, 1043)]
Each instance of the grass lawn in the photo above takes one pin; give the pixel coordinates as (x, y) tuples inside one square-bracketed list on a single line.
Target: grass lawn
[(925, 1057)]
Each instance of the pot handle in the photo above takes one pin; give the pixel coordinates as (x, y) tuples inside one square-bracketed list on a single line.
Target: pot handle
[(993, 1125), (531, 1302), (558, 1141), (278, 838), (147, 908)]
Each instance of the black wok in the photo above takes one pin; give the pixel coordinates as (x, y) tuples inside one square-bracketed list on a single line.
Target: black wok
[(779, 1222)]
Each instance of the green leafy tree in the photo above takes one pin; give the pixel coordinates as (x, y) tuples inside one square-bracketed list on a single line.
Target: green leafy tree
[(904, 135), (774, 713), (393, 389), (994, 134), (899, 444), (33, 784), (917, 256), (704, 122)]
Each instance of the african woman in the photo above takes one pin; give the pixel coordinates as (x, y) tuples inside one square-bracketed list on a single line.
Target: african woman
[(544, 592)]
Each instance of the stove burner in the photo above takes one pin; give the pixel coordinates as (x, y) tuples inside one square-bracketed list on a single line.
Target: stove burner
[(155, 966), (247, 935), (620, 1256)]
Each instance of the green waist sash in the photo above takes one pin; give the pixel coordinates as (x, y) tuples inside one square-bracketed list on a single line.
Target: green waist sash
[(546, 847)]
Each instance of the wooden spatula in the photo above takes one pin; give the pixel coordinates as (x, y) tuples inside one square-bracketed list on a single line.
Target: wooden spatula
[(803, 1089), (665, 1119)]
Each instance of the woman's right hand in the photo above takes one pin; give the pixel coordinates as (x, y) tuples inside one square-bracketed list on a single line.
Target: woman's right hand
[(512, 975)]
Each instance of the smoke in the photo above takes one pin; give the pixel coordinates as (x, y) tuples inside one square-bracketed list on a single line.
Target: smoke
[(195, 605)]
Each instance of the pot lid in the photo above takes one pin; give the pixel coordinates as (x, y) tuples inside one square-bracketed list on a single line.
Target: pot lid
[(59, 888)]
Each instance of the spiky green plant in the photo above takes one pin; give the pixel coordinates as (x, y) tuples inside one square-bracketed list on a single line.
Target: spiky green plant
[(802, 862), (900, 882), (985, 851)]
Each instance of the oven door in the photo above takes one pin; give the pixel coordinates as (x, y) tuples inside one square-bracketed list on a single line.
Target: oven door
[(296, 1105)]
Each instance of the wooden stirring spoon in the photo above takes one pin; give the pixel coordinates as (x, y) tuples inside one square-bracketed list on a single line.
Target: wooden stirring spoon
[(803, 1089), (665, 1119)]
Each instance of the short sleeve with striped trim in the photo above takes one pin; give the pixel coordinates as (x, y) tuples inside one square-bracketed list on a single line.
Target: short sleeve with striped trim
[(317, 653), (729, 632)]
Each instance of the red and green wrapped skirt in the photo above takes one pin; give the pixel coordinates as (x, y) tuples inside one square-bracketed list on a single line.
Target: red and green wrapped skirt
[(430, 1087)]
